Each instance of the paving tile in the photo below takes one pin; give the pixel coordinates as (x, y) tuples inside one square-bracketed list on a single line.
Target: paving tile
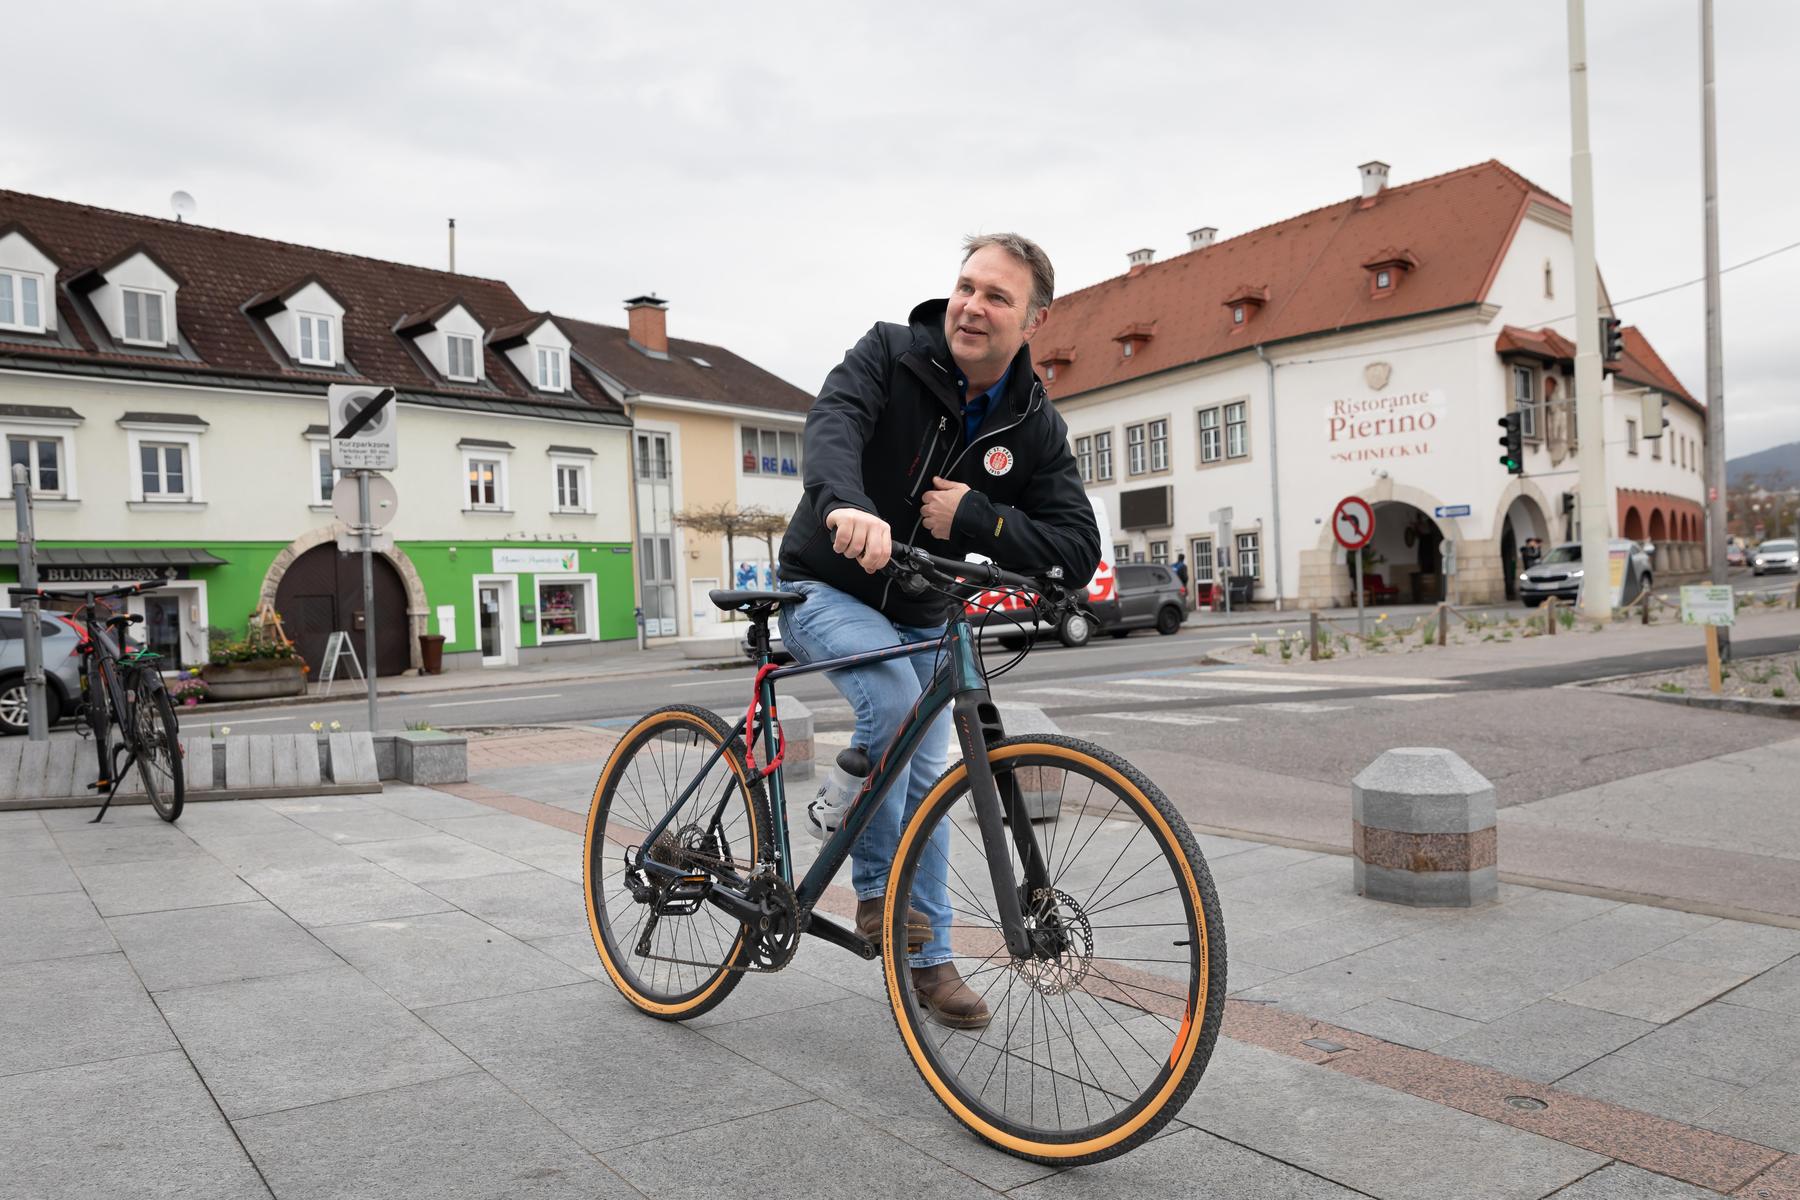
[(1621, 1181), (1545, 1041), (125, 836), (18, 837), (139, 1127), (528, 904), (443, 958), (65, 1011), (121, 888), (1767, 1113), (55, 925), (555, 850), (1405, 1024), (1242, 976), (290, 848), (691, 1166), (424, 803), (342, 894), (1368, 1137), (461, 1138), (268, 1044), (35, 872), (232, 818), (1723, 1041), (1777, 990), (1328, 990), (1632, 1083), (434, 857), (190, 947), (1189, 1164), (1736, 946), (364, 824), (1652, 988), (558, 1048), (576, 949)]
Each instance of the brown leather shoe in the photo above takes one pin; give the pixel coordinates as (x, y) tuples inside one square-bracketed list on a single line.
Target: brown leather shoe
[(868, 923), (947, 999)]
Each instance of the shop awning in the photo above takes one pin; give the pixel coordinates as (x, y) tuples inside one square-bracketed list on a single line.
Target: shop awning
[(116, 556)]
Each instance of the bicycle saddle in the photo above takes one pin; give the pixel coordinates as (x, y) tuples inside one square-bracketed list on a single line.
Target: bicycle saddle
[(757, 604)]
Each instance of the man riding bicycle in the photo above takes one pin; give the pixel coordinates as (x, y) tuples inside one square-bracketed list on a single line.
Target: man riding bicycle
[(942, 429)]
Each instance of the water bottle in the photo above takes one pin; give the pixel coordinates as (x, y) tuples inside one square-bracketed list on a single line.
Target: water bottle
[(837, 792)]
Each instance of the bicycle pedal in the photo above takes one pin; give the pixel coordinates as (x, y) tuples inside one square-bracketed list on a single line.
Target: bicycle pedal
[(684, 895), (99, 785)]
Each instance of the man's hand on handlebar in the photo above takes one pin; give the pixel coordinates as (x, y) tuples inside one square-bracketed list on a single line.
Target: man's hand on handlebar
[(862, 537), (909, 562)]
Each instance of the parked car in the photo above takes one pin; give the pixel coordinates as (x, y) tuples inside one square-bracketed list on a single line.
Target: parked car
[(1735, 556), (62, 669), (1141, 596), (1560, 573), (1782, 554)]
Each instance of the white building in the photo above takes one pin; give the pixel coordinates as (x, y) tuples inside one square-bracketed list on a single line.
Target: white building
[(1368, 348)]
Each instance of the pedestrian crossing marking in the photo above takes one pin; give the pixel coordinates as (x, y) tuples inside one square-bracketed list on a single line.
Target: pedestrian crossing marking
[(1207, 684), (1302, 707), (1418, 696), (1083, 693), (1348, 680), (1167, 718)]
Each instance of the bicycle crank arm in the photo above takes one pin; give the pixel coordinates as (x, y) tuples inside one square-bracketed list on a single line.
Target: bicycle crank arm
[(987, 815), (828, 930), (705, 889)]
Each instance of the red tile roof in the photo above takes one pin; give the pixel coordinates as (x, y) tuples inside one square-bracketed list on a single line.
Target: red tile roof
[(1311, 268), (222, 272), (1641, 364), (727, 379)]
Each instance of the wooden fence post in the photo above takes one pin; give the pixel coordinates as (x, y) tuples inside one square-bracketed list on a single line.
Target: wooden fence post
[(1313, 636), (1443, 623), (1550, 616)]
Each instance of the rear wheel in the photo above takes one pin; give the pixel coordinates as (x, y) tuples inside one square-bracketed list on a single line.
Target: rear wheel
[(672, 966), (1168, 620), (14, 715), (1094, 1045), (158, 749), (96, 710)]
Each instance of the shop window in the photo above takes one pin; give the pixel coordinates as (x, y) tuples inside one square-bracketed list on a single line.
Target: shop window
[(772, 452), (42, 457), (565, 609)]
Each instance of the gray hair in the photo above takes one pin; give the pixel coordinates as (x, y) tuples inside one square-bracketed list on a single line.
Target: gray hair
[(1023, 249)]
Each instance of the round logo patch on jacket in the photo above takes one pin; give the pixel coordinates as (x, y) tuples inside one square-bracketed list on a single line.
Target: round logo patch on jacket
[(998, 461)]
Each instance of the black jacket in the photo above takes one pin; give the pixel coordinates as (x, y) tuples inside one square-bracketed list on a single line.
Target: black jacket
[(888, 419)]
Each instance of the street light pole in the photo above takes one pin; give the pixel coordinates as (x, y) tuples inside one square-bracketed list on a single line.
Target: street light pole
[(1715, 338), (1590, 412)]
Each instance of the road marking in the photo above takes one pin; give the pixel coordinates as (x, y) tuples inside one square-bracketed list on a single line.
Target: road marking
[(225, 719), (497, 700), (705, 683), (1302, 707), (1390, 680), (1083, 693), (1166, 718), (1419, 696), (1205, 683)]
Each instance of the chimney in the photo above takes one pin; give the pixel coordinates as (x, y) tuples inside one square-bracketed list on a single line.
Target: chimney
[(649, 324), (1374, 178), (1201, 238), (1140, 259)]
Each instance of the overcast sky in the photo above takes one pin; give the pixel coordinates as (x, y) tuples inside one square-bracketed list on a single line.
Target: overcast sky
[(787, 173)]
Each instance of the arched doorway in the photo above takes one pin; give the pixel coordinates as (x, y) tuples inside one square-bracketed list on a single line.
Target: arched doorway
[(1523, 537), (1406, 554), (1634, 524), (1659, 528), (321, 592)]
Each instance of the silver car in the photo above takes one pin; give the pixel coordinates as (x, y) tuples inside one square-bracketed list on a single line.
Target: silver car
[(62, 669), (1561, 572), (1783, 554)]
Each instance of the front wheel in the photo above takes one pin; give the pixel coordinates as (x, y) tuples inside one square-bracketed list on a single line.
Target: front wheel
[(1076, 629), (1094, 1044), (158, 741)]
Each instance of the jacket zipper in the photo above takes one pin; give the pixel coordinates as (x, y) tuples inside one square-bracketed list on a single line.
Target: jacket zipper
[(925, 466)]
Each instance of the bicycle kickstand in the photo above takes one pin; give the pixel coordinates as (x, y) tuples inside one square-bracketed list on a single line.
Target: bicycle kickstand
[(118, 777)]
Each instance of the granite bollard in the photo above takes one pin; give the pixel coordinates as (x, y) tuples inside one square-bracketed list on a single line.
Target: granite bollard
[(1422, 824)]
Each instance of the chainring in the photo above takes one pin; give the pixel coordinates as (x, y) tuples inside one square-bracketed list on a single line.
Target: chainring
[(776, 936)]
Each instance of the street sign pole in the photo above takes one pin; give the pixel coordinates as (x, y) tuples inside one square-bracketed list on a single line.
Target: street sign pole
[(1361, 627), (368, 565), (36, 729)]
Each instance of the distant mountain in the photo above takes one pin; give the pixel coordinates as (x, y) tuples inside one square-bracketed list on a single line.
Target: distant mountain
[(1766, 465)]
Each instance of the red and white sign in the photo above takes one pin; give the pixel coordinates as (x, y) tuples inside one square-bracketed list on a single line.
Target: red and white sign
[(998, 460), (1353, 523), (1100, 588)]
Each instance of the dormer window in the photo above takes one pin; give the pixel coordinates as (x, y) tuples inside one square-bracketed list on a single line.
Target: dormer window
[(1387, 267), (1384, 280), (1237, 314), (317, 339), (1134, 337), (1244, 302), (21, 301), (549, 369), (143, 317), (460, 351)]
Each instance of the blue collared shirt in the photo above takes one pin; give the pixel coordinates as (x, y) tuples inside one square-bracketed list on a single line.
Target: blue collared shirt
[(975, 410)]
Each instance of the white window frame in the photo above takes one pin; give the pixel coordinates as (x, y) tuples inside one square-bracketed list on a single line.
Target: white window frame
[(1656, 445), (136, 436), (126, 295), (552, 369), (1254, 551), (33, 438), (501, 460), (1212, 450), (312, 328), (12, 293), (160, 449), (584, 481), (450, 356), (1159, 444), (1525, 399), (1137, 449), (592, 614), (1103, 456), (1194, 559), (1631, 436), (317, 446), (1084, 458), (1237, 430), (1159, 552), (646, 439), (1121, 553)]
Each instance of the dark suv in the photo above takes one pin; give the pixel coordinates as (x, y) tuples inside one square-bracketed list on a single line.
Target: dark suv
[(1145, 596)]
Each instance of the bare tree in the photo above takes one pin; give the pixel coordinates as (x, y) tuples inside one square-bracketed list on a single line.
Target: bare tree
[(730, 522)]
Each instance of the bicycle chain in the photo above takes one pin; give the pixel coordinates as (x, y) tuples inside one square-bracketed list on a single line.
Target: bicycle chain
[(772, 948)]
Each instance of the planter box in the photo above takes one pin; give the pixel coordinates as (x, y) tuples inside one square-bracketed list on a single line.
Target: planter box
[(254, 680)]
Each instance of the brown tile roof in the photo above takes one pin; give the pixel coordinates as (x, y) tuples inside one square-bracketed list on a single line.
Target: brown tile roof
[(1641, 364), (729, 379), (222, 272), (1309, 270)]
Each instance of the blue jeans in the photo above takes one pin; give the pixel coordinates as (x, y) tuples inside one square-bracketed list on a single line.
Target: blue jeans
[(831, 624)]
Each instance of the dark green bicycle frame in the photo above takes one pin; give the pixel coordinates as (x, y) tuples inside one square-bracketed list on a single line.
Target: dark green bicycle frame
[(958, 684)]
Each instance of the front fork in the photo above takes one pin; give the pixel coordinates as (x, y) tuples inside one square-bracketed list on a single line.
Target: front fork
[(998, 803)]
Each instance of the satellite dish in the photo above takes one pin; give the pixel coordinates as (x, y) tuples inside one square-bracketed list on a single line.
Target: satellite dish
[(184, 205)]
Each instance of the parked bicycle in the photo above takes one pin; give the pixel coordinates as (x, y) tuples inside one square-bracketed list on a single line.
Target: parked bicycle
[(126, 688), (1096, 941)]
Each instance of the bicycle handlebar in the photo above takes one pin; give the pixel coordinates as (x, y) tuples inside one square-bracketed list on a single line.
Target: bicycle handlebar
[(130, 589), (910, 561)]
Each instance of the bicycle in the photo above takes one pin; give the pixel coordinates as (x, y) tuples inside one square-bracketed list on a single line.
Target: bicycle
[(126, 689), (689, 881)]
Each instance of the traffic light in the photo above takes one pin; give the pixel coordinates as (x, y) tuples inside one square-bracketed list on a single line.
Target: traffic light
[(1612, 346), (1513, 441)]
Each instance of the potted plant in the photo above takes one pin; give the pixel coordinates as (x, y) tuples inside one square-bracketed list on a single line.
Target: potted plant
[(256, 668)]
